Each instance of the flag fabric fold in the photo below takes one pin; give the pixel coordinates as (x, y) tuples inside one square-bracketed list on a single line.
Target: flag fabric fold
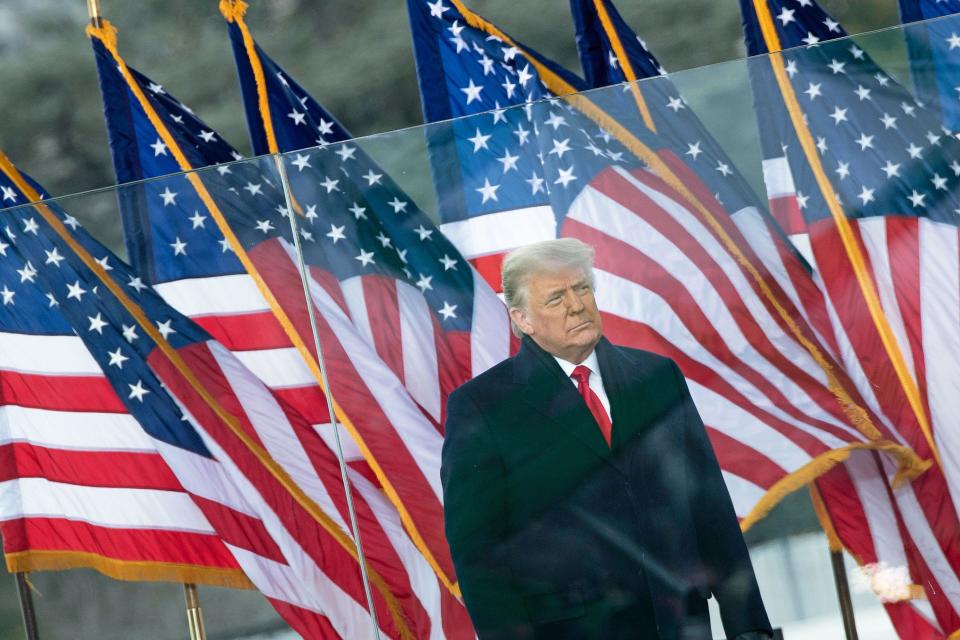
[(870, 170), (221, 431), (674, 273), (82, 484), (227, 229)]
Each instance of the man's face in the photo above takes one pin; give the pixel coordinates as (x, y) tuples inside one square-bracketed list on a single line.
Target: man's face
[(561, 314)]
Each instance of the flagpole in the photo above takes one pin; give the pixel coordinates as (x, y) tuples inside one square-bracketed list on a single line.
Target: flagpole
[(836, 562), (843, 594), (295, 232), (26, 606), (93, 10), (194, 613)]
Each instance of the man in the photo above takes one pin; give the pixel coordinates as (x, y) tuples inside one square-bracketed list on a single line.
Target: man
[(582, 497)]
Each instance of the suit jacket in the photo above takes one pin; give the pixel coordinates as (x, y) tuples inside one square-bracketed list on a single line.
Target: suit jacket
[(554, 534)]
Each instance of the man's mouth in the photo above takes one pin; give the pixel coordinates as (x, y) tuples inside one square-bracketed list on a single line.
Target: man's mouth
[(580, 326)]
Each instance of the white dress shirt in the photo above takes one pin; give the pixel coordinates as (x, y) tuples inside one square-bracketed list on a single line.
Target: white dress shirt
[(596, 381)]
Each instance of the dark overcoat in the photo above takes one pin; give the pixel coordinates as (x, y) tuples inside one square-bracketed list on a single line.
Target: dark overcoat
[(556, 535)]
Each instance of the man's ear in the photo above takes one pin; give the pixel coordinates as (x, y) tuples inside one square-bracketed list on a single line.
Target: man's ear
[(520, 319)]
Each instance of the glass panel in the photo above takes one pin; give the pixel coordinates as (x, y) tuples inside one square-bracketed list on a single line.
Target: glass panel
[(755, 276)]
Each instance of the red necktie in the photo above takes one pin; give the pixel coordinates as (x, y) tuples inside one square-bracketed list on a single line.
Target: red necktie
[(582, 375)]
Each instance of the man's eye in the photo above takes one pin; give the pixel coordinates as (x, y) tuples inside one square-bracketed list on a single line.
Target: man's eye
[(552, 302), (583, 288)]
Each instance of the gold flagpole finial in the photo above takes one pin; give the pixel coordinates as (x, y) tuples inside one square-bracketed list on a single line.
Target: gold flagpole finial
[(93, 9)]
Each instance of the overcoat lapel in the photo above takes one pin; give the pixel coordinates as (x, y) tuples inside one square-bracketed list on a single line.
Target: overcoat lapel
[(623, 381), (550, 393)]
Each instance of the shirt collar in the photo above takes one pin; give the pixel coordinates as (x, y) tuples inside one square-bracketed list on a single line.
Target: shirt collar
[(590, 363)]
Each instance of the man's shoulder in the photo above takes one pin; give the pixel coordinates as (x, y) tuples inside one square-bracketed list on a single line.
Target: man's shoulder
[(493, 378), (651, 362)]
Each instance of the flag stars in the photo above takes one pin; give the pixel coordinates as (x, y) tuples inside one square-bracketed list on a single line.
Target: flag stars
[(536, 183), (165, 329), (168, 197), (791, 68), (891, 169), (837, 66), (325, 127), (301, 162), (53, 301), (159, 148), (786, 16), (813, 90), (843, 169), (508, 161), (916, 198), (821, 145), (7, 295), (810, 39), (932, 138), (863, 93), (693, 150), (865, 142), (487, 63), (566, 177), (116, 358), (53, 257), (560, 147), (384, 239), (156, 88), (97, 323), (889, 122), (330, 184), (254, 189), (953, 41), (75, 291), (197, 220), (179, 247), (372, 178), (423, 232), (137, 391), (939, 182), (555, 120), (360, 212), (448, 310), (264, 226), (437, 9), (298, 117), (488, 191), (908, 109), (4, 246), (865, 195), (479, 141), (346, 152), (802, 199), (104, 263), (365, 258), (28, 273), (832, 25), (448, 262), (839, 115), (424, 283), (524, 76), (955, 167), (336, 233), (472, 91), (9, 193), (72, 222), (398, 205), (30, 226), (914, 151), (136, 284), (676, 103), (509, 87), (522, 134), (724, 169), (856, 52)]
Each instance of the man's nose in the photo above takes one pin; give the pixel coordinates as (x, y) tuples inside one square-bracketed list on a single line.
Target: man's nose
[(573, 301)]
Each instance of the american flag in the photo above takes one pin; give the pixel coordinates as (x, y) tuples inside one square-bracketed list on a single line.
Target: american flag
[(224, 435), (872, 172), (246, 291), (855, 496), (931, 47), (674, 273), (81, 483)]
